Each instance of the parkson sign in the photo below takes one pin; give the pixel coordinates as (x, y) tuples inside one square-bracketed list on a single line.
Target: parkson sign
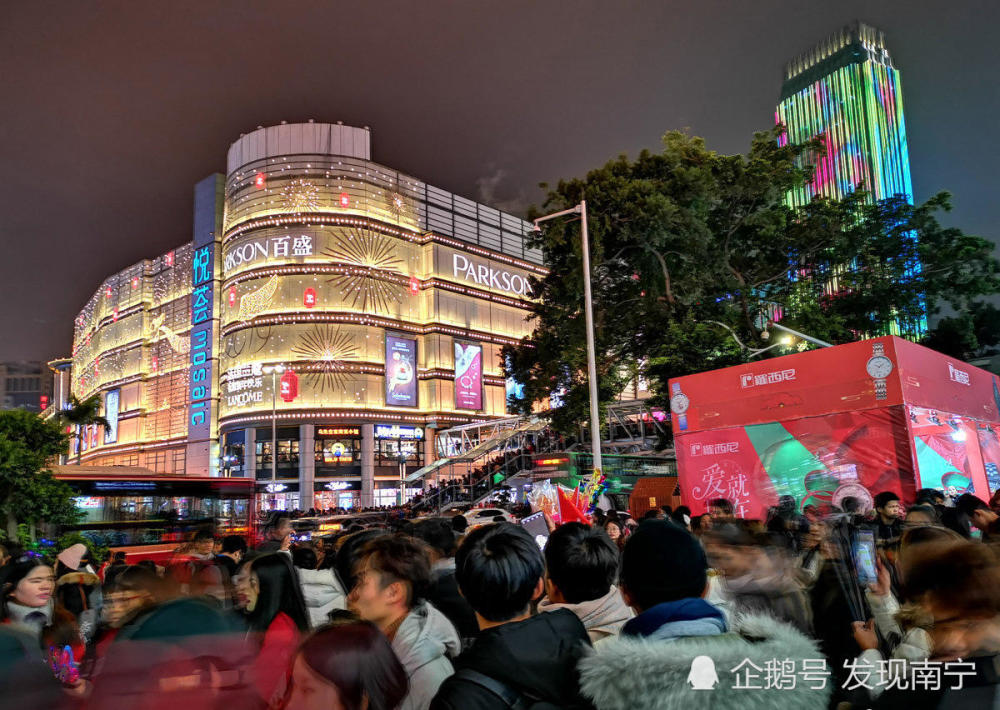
[(487, 276)]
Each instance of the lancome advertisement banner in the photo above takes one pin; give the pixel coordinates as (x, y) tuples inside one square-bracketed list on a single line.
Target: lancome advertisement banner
[(400, 371), (468, 376)]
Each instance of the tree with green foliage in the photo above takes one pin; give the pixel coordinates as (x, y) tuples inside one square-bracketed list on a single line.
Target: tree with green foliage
[(80, 415), (690, 248), (29, 494), (974, 333)]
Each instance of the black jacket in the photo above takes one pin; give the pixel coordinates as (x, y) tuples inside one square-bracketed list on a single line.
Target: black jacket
[(445, 597), (536, 657)]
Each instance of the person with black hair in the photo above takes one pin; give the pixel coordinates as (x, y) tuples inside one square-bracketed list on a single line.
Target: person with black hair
[(349, 553), (27, 586), (320, 588), (922, 514), (277, 533), (980, 515), (460, 524), (394, 574), (581, 564), (664, 577), (720, 508), (443, 593), (615, 532), (234, 549), (888, 523), (78, 588), (346, 666), (517, 657), (756, 576), (268, 590), (956, 585)]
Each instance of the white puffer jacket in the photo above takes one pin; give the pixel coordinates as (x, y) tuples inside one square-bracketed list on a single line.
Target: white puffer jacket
[(322, 593)]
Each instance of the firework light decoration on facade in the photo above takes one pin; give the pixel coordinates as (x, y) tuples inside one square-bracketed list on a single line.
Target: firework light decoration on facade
[(300, 195), (327, 348), (364, 287), (256, 302)]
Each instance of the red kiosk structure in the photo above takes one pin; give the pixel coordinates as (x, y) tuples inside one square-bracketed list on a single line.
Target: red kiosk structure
[(851, 420)]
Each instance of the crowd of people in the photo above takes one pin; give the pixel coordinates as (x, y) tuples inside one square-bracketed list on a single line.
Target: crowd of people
[(838, 608)]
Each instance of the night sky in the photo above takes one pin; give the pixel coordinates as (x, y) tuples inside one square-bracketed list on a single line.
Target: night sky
[(113, 110)]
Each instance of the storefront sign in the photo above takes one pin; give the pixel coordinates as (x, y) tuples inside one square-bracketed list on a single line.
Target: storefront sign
[(337, 486), (395, 431), (243, 385), (486, 276), (400, 371), (338, 431), (264, 249), (468, 376), (337, 452), (200, 389)]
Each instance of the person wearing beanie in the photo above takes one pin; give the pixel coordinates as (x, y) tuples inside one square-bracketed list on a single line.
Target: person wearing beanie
[(664, 575)]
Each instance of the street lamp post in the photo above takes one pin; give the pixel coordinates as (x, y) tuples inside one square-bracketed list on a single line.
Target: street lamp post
[(588, 309), (274, 371), (797, 334), (401, 459)]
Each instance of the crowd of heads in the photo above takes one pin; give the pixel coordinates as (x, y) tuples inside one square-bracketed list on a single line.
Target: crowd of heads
[(322, 623)]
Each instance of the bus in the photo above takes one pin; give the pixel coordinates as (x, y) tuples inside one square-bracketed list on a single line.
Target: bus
[(147, 516)]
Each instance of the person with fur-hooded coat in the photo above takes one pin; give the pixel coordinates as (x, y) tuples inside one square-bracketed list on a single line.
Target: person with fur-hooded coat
[(679, 652)]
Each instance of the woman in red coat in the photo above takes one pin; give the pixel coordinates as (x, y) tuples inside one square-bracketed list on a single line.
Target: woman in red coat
[(268, 590)]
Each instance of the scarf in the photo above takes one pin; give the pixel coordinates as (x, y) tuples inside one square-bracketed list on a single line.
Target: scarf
[(677, 619)]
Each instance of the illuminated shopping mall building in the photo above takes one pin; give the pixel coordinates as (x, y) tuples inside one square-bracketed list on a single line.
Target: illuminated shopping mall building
[(327, 302)]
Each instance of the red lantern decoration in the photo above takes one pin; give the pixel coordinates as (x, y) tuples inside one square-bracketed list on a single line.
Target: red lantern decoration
[(169, 258), (414, 285), (309, 297), (114, 315), (260, 180), (155, 363), (107, 292), (345, 200), (289, 386), (232, 297), (43, 402), (135, 282)]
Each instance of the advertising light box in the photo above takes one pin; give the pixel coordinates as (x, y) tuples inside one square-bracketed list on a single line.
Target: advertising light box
[(400, 371), (468, 376)]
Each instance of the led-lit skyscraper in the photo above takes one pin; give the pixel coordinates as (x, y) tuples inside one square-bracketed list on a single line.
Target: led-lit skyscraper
[(847, 89)]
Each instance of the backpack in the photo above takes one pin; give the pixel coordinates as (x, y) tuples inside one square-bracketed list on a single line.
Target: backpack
[(513, 699)]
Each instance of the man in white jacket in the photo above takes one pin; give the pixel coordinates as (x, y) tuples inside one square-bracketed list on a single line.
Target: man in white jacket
[(394, 573)]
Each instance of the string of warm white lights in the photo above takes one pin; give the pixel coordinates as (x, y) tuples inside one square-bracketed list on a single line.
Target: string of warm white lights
[(325, 219), (320, 415), (377, 321), (372, 272)]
